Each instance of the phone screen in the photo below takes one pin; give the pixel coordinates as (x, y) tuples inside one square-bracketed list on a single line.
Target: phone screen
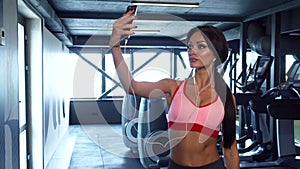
[(132, 7)]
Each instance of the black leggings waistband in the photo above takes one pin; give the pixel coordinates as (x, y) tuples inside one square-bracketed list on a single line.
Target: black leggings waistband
[(219, 164)]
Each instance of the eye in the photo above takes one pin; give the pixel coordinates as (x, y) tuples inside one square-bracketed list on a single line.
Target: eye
[(201, 46)]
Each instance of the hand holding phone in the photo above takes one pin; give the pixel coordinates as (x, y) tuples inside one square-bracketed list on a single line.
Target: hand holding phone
[(130, 8)]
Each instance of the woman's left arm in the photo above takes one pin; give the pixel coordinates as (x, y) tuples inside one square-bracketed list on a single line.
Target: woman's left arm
[(231, 157)]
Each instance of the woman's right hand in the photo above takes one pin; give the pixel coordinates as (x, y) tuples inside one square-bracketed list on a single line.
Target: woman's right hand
[(122, 28)]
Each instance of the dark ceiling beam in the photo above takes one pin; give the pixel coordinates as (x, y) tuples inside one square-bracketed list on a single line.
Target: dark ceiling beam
[(285, 6), (88, 15), (145, 16), (138, 41), (107, 0), (103, 41), (92, 41)]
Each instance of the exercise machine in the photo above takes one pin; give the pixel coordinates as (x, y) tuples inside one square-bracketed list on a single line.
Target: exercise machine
[(129, 120), (145, 129), (153, 138), (255, 76), (285, 111), (277, 101), (252, 127), (251, 89)]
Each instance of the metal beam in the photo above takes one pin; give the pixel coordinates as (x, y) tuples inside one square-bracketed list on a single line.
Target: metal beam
[(243, 51), (285, 6), (53, 22), (277, 74), (147, 16), (103, 41)]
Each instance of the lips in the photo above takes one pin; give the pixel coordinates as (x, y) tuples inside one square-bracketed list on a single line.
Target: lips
[(193, 59)]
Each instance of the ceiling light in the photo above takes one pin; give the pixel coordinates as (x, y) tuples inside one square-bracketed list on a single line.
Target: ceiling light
[(146, 31), (174, 4)]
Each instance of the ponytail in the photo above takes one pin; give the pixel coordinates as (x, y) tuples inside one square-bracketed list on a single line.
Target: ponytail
[(228, 124)]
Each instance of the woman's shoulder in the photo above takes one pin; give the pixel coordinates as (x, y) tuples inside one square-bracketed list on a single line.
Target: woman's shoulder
[(170, 86), (172, 83)]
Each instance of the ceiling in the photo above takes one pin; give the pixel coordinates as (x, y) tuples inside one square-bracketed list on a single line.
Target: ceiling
[(88, 22)]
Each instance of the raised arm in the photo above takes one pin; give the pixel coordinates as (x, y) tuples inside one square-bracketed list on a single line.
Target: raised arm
[(121, 28)]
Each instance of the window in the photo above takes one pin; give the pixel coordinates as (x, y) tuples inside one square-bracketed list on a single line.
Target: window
[(86, 79), (289, 60), (183, 72), (146, 65), (231, 78), (111, 71)]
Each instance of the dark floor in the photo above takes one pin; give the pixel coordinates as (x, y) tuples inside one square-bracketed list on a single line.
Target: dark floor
[(101, 147), (98, 147), (94, 147)]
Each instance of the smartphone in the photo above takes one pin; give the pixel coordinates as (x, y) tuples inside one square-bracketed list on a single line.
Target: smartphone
[(132, 7)]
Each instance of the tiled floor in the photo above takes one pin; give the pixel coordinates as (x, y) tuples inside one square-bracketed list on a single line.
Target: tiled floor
[(62, 156), (94, 147)]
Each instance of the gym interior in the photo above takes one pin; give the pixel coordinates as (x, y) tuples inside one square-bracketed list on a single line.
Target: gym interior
[(63, 107)]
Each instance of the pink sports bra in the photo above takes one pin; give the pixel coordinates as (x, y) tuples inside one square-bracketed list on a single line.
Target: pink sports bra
[(184, 115)]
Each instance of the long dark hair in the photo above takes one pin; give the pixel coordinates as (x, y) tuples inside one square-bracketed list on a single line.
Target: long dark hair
[(218, 44)]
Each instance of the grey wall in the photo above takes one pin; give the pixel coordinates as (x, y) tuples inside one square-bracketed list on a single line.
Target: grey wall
[(9, 123), (47, 89), (56, 89)]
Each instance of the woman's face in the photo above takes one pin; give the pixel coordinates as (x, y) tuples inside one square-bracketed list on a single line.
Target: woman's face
[(200, 55)]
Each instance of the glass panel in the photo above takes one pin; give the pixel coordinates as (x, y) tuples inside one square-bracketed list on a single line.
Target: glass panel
[(22, 96), (152, 60), (251, 60), (111, 71), (87, 82), (183, 73), (21, 62), (297, 132), (23, 151), (289, 60)]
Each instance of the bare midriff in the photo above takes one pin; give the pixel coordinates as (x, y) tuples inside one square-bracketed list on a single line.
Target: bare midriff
[(192, 149)]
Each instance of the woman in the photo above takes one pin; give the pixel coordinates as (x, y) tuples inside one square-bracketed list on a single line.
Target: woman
[(198, 106)]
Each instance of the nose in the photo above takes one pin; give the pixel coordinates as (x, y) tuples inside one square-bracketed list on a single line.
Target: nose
[(191, 50), (191, 47)]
